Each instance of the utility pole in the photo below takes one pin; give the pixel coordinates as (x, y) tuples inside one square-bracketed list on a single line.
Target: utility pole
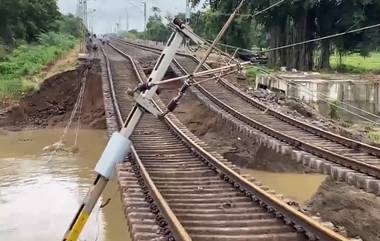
[(85, 14), (119, 144), (188, 12), (91, 20), (187, 16), (145, 21), (78, 10), (127, 26), (120, 24)]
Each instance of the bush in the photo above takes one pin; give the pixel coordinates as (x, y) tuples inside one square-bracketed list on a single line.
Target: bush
[(333, 113), (374, 137), (251, 76)]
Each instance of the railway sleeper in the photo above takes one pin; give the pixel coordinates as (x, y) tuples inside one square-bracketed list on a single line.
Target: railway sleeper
[(309, 160)]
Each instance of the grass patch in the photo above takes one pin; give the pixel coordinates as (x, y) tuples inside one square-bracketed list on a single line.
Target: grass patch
[(252, 72), (28, 60), (333, 112), (354, 63), (251, 75), (374, 137)]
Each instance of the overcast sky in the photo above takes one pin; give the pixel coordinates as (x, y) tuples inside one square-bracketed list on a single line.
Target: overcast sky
[(108, 12)]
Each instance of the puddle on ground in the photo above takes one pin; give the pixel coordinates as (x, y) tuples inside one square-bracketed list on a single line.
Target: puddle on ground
[(299, 187), (38, 199)]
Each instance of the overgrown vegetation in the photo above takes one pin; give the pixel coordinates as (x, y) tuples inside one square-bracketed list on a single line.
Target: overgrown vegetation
[(251, 75), (33, 34), (28, 59), (374, 137), (26, 20), (333, 113), (293, 22), (355, 63)]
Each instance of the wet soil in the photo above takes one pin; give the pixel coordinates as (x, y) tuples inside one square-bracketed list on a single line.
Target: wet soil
[(236, 148), (334, 202), (302, 111), (347, 206), (52, 104)]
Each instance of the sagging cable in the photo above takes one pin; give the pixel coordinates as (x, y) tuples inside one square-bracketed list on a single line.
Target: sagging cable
[(173, 104)]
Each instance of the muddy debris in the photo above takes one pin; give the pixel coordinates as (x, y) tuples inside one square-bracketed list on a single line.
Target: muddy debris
[(346, 206), (52, 104), (299, 110)]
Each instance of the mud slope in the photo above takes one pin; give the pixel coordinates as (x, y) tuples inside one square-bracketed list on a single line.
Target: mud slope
[(52, 104), (356, 210), (238, 149)]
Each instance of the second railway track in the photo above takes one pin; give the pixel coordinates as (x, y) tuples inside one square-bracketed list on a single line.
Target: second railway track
[(348, 153), (199, 196)]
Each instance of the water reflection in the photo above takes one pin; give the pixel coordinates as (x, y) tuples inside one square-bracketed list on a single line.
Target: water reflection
[(299, 187), (38, 198)]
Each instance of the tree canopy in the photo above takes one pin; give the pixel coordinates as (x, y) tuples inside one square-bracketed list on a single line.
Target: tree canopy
[(295, 21), (156, 29), (26, 19)]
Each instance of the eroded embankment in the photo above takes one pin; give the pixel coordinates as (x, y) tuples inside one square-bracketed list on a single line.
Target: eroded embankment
[(347, 206), (245, 153), (52, 104), (237, 148)]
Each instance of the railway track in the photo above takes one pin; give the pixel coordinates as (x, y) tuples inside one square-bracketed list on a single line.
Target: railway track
[(175, 190), (348, 153)]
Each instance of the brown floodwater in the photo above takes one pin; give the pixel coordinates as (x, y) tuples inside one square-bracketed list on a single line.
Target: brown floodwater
[(38, 198), (299, 187)]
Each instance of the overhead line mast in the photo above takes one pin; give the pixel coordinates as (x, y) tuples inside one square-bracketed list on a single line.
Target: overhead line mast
[(119, 144)]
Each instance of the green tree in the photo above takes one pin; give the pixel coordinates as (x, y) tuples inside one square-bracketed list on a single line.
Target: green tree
[(297, 21), (156, 29), (26, 19), (69, 24)]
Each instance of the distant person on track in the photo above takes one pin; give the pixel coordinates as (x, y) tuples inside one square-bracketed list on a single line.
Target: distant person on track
[(95, 49)]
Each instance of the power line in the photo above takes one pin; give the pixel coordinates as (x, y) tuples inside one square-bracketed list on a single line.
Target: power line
[(249, 15), (310, 92), (254, 15), (322, 38), (305, 42)]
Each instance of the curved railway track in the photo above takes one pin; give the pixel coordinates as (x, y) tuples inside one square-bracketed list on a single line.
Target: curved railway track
[(191, 194), (343, 151)]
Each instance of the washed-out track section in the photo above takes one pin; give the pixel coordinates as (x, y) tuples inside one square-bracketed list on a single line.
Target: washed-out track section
[(175, 190), (352, 156)]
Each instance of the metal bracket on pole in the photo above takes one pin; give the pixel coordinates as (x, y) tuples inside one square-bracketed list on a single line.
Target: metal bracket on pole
[(118, 146), (146, 104)]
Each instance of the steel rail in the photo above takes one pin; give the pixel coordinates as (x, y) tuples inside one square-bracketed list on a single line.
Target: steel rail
[(334, 157), (176, 227), (273, 204), (307, 127), (255, 193)]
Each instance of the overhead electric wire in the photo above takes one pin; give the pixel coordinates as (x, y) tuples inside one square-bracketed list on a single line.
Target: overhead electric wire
[(304, 42), (321, 38), (324, 100), (250, 15), (318, 39)]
